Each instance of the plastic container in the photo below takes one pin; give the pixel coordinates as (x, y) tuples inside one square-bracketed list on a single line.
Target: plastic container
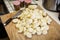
[(27, 2), (21, 3), (16, 5)]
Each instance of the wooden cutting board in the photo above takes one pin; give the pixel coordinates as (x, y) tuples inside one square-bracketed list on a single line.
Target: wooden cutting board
[(53, 33)]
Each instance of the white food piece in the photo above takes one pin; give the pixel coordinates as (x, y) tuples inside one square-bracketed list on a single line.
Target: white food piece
[(36, 14), (24, 29), (39, 33), (28, 34), (44, 14), (18, 21), (30, 30), (36, 25), (20, 30), (46, 27), (48, 20), (27, 9), (38, 29), (34, 32), (41, 12), (43, 22), (33, 16), (15, 20), (32, 6), (29, 21), (22, 8), (42, 28), (44, 32), (18, 25), (25, 33), (27, 26)]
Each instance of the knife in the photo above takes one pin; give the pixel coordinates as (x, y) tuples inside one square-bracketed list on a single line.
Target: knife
[(15, 16)]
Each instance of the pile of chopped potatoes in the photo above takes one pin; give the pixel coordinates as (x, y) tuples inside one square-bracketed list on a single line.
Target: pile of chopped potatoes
[(32, 21)]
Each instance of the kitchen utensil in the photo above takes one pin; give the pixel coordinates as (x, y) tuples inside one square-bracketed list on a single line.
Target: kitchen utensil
[(16, 5), (52, 5), (15, 16)]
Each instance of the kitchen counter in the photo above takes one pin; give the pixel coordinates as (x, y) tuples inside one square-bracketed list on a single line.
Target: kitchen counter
[(53, 33)]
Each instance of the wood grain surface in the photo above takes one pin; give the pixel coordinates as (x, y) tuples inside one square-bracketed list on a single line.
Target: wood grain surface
[(53, 33)]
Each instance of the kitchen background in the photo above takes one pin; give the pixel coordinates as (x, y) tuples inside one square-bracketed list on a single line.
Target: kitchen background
[(53, 15)]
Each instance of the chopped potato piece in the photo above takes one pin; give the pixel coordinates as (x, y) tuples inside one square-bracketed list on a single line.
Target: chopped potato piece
[(33, 21)]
